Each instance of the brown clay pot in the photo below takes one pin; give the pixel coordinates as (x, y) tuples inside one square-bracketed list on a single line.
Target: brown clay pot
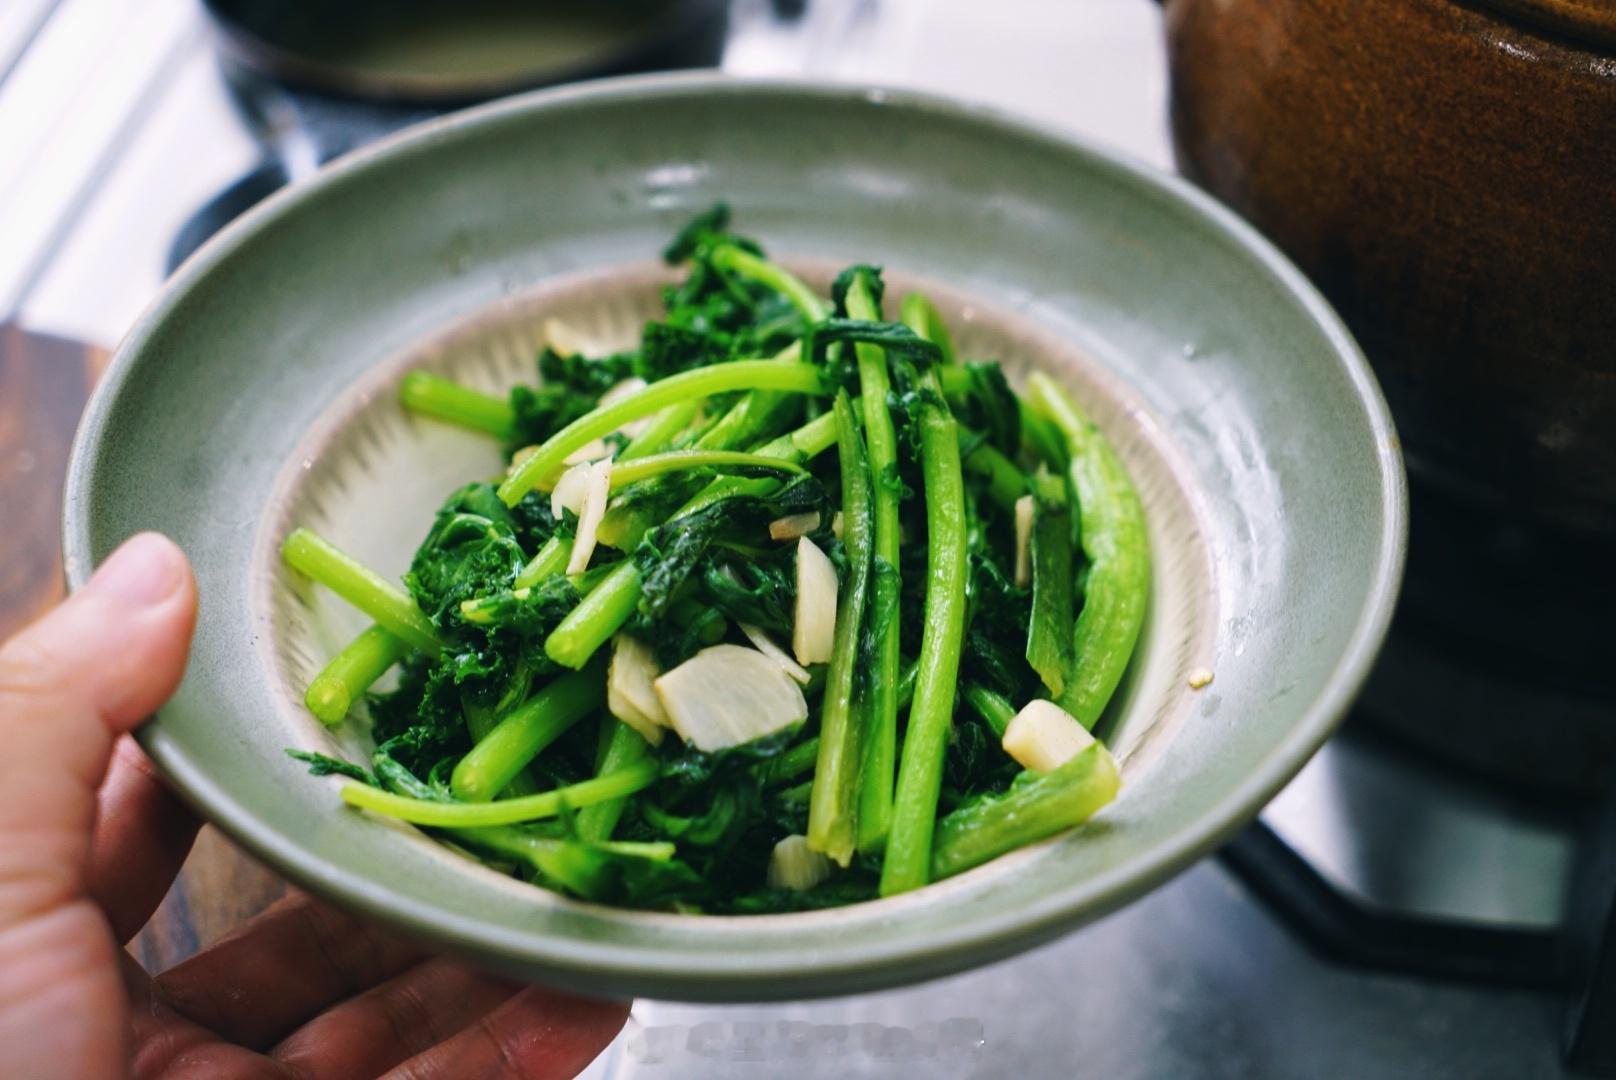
[(1446, 173)]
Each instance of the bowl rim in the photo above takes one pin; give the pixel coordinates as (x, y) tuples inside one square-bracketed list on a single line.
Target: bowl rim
[(997, 933)]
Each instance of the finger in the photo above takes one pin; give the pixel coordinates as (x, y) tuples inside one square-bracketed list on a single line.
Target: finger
[(91, 669), (142, 835), (168, 1045), (271, 974), (409, 1013), (535, 1035)]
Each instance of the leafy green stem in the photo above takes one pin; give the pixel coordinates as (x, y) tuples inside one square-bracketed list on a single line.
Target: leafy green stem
[(740, 261), (460, 815), (1111, 525), (352, 671), (621, 747), (834, 804), (994, 708), (1036, 807), (661, 430), (444, 399), (675, 460), (907, 862), (1006, 482), (1049, 630), (309, 554), (698, 382), (596, 618), (524, 732), (550, 561), (875, 807), (920, 315)]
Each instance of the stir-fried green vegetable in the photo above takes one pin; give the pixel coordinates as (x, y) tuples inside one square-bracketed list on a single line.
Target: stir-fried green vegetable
[(834, 806), (789, 606)]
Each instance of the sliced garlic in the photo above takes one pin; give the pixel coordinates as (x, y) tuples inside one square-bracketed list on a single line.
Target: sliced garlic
[(813, 630), (594, 508), (1043, 736), (793, 526), (563, 339), (793, 865), (593, 451), (570, 491), (627, 388), (726, 695), (836, 525), (1024, 510), (630, 690), (766, 645)]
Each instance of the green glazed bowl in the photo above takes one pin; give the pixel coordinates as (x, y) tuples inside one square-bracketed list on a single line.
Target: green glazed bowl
[(258, 394)]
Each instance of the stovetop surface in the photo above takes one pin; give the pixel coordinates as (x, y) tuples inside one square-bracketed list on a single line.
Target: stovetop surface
[(99, 172)]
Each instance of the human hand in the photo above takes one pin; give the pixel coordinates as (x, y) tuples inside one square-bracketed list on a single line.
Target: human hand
[(90, 841)]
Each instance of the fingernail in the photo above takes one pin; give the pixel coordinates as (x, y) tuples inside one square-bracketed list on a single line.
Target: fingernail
[(146, 569)]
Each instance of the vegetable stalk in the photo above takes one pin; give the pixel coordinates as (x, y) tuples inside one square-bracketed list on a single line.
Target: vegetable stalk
[(1036, 807), (803, 757), (907, 863), (1111, 526), (550, 561), (875, 808), (995, 709), (603, 613), (1049, 630), (660, 431), (460, 815), (621, 747), (309, 554), (523, 733), (740, 261), (834, 803), (908, 852), (444, 399), (921, 315), (697, 382), (351, 672), (675, 460), (596, 618)]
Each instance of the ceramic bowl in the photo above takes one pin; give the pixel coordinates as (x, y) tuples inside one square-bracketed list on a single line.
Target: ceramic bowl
[(258, 394)]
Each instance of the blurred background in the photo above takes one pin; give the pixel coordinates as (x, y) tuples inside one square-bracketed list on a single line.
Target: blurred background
[(1410, 906), (117, 123)]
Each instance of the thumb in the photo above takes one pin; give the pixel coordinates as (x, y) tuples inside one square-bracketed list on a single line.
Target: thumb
[(69, 685)]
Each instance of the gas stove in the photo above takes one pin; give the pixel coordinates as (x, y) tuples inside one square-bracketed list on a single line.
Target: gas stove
[(1391, 914)]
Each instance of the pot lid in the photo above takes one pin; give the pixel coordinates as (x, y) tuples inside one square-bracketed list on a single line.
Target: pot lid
[(1586, 22)]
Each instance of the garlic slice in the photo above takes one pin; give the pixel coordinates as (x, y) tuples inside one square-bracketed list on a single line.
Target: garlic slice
[(570, 491), (813, 630), (594, 508), (630, 690), (1024, 511), (793, 865), (766, 645), (588, 452), (1043, 736), (564, 339), (726, 695), (793, 526)]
